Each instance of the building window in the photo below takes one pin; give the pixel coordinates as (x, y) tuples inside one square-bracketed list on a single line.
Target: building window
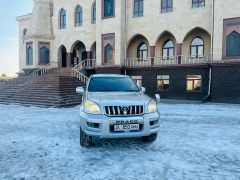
[(138, 80), (197, 48), (44, 57), (167, 6), (94, 15), (168, 50), (142, 52), (108, 54), (138, 8), (163, 82), (194, 83), (62, 19), (233, 44), (29, 50), (108, 8), (25, 31), (78, 16), (198, 3)]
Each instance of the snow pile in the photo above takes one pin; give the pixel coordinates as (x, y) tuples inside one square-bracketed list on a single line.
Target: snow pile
[(200, 141)]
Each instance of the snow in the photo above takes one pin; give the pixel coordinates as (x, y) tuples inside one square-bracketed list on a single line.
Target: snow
[(196, 141)]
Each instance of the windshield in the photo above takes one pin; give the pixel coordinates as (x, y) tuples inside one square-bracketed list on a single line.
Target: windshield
[(104, 84)]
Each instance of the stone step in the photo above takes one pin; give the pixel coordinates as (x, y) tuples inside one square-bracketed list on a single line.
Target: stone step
[(56, 88)]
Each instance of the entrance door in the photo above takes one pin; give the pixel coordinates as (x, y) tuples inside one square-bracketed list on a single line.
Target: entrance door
[(84, 55), (64, 57)]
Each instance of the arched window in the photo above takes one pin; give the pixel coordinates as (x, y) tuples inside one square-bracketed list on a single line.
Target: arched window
[(168, 49), (29, 54), (233, 44), (138, 8), (197, 48), (44, 55), (94, 15), (166, 6), (25, 31), (78, 16), (108, 8), (108, 54), (198, 3), (142, 52), (62, 19)]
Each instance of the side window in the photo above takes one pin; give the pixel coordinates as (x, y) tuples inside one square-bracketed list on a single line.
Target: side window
[(109, 8), (163, 82), (168, 50), (138, 8), (44, 57), (25, 32), (197, 48), (94, 15), (29, 53), (78, 16), (142, 52), (62, 19), (194, 83), (198, 3), (167, 6)]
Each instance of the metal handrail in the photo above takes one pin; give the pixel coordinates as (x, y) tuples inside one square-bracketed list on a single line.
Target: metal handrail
[(76, 71), (44, 69), (170, 60), (80, 76)]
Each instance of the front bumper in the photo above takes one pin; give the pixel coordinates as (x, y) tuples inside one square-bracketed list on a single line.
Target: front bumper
[(104, 125)]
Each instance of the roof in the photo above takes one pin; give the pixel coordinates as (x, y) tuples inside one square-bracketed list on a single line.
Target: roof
[(109, 75)]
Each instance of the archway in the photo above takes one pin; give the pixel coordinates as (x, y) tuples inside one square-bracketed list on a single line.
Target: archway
[(197, 44), (79, 53), (62, 56), (166, 46), (134, 44)]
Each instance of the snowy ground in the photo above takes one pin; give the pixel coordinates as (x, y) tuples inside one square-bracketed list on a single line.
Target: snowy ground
[(196, 142)]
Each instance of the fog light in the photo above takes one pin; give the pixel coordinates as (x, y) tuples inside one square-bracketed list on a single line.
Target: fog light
[(93, 125), (153, 123)]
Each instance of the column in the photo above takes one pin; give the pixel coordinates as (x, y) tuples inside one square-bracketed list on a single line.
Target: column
[(179, 53), (89, 62), (152, 54), (69, 60)]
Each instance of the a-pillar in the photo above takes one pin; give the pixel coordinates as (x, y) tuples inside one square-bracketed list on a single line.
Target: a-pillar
[(152, 54), (69, 59), (179, 53)]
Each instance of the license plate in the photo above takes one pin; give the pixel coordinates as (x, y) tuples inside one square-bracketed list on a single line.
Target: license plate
[(126, 127)]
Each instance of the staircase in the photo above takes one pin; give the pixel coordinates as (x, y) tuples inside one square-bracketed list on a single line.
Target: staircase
[(55, 88), (48, 86)]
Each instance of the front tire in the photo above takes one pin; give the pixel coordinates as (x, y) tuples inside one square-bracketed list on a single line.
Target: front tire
[(150, 138), (85, 140)]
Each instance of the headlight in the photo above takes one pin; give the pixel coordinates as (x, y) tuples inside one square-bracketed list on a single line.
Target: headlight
[(91, 108), (152, 106)]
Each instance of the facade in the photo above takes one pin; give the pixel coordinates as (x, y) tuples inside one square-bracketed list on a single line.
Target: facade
[(173, 47)]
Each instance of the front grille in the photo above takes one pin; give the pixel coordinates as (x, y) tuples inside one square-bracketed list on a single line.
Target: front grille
[(124, 110)]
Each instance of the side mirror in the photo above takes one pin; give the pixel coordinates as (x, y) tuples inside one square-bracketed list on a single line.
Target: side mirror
[(80, 90), (143, 89), (158, 97)]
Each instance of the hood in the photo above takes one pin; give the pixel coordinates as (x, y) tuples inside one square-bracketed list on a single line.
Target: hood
[(118, 98)]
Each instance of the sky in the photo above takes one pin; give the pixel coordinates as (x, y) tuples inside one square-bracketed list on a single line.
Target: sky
[(9, 10)]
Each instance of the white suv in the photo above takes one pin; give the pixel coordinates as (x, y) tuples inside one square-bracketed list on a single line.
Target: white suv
[(113, 106)]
